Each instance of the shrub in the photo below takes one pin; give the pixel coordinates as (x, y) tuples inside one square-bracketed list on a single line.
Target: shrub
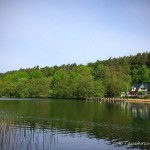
[(147, 97)]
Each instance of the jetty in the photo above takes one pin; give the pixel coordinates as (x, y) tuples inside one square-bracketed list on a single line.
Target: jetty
[(118, 100), (107, 99)]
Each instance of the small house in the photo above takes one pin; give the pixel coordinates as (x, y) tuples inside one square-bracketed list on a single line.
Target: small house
[(140, 89)]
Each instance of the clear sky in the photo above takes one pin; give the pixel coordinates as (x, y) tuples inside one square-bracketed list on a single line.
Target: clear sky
[(56, 32)]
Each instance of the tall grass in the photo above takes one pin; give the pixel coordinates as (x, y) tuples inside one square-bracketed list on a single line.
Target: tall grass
[(21, 137)]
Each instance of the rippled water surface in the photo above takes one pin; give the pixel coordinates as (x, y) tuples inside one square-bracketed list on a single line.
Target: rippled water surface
[(73, 124)]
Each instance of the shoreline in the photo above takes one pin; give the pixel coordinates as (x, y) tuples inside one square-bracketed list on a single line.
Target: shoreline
[(130, 100), (139, 100)]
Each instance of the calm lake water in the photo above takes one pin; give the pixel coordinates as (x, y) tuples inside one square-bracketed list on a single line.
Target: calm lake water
[(73, 125)]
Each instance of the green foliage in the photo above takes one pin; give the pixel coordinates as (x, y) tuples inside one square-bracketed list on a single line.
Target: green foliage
[(100, 72), (1, 88), (60, 84), (36, 74), (39, 87), (147, 97), (22, 88), (98, 89), (141, 74), (103, 78), (141, 92)]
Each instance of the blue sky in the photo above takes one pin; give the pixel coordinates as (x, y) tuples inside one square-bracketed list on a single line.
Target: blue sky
[(56, 32)]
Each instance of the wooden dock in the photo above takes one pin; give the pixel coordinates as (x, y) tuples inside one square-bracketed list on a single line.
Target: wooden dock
[(107, 99), (118, 100)]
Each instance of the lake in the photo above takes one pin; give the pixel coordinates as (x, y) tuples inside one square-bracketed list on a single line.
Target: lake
[(45, 124)]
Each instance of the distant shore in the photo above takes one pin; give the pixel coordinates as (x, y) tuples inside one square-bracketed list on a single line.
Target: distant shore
[(130, 100), (137, 100)]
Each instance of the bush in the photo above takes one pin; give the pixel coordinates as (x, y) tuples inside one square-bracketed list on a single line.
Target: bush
[(147, 97)]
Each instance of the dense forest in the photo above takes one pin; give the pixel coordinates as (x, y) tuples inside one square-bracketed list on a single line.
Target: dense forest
[(107, 78)]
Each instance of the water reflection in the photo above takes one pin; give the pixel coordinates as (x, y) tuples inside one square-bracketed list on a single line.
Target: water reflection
[(64, 124), (139, 110), (16, 137), (24, 138)]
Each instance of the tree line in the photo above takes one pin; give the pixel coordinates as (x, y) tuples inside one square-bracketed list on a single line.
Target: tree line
[(107, 78)]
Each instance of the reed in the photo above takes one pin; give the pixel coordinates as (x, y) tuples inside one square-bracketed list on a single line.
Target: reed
[(20, 137)]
